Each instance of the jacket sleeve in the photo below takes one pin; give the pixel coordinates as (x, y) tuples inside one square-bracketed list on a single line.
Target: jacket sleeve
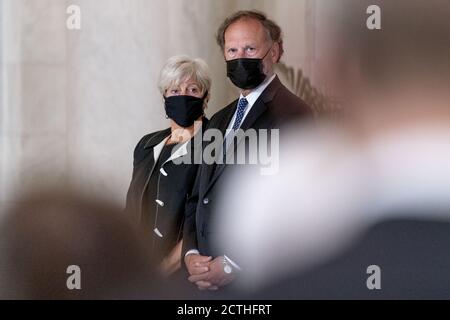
[(137, 155), (190, 226)]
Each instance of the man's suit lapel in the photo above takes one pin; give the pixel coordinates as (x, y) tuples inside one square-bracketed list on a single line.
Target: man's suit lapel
[(261, 104), (222, 126), (257, 110)]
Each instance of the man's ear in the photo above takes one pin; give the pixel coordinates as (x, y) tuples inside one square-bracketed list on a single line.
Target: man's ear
[(275, 54)]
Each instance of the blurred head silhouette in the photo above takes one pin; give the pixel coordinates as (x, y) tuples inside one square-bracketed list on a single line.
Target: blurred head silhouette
[(398, 74), (51, 230)]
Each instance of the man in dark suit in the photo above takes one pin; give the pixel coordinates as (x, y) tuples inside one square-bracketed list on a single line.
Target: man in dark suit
[(252, 45)]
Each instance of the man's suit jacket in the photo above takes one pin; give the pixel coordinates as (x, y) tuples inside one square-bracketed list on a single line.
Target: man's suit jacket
[(275, 108)]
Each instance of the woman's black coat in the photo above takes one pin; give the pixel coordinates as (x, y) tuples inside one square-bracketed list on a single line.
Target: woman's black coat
[(174, 186)]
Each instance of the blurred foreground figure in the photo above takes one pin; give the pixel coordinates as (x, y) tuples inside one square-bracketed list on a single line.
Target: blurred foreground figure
[(360, 209), (51, 231)]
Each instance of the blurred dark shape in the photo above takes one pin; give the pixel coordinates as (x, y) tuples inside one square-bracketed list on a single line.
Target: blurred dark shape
[(412, 45), (412, 255), (394, 82), (51, 230)]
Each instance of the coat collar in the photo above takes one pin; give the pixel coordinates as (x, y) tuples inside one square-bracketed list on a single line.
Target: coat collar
[(271, 90), (158, 141), (181, 151), (157, 138), (261, 103)]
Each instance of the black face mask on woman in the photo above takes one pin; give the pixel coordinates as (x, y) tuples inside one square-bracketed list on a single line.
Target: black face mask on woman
[(246, 73), (184, 110)]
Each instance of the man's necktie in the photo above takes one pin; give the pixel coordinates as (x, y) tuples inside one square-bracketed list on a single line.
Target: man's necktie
[(242, 106)]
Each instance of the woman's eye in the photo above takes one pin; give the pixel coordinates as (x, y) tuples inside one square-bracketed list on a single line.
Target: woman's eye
[(174, 91)]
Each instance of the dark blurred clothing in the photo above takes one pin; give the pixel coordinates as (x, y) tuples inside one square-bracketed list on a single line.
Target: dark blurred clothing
[(413, 256), (50, 231)]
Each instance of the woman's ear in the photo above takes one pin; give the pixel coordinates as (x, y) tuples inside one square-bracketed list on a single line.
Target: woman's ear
[(205, 103)]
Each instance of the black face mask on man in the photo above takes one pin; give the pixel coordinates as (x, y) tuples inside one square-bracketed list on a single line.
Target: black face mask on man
[(184, 110), (246, 73)]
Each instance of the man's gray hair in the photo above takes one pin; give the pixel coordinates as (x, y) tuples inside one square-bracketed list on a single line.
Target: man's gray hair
[(178, 69)]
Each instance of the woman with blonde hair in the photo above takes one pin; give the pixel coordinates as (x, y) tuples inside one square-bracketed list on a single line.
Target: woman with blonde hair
[(160, 185)]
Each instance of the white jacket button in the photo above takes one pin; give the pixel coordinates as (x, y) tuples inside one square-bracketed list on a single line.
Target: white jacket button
[(157, 232), (164, 173), (160, 203)]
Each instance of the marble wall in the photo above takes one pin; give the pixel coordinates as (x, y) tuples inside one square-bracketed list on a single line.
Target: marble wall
[(75, 102)]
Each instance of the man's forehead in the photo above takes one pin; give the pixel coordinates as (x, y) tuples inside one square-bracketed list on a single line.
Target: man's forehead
[(242, 41), (247, 29)]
